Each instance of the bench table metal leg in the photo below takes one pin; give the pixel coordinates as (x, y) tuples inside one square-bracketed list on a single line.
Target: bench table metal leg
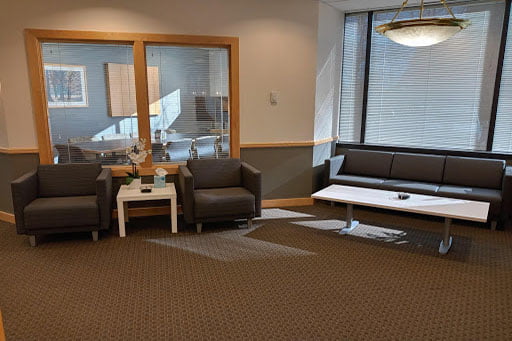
[(446, 243), (351, 223)]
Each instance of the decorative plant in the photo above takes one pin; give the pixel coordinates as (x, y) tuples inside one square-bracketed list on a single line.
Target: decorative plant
[(137, 154)]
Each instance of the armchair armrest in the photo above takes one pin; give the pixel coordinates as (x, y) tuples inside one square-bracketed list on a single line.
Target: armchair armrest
[(251, 179), (104, 197), (332, 167), (24, 191), (186, 189), (506, 193)]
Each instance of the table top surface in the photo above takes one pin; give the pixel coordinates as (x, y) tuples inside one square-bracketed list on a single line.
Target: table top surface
[(417, 203), (127, 194)]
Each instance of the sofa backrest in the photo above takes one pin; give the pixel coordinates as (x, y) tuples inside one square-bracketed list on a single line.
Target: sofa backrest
[(465, 171), (418, 167), (367, 162), (64, 180), (215, 173)]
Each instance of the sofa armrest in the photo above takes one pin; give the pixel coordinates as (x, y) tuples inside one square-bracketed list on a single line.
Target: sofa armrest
[(104, 197), (332, 167), (186, 188), (251, 179), (506, 195), (24, 191)]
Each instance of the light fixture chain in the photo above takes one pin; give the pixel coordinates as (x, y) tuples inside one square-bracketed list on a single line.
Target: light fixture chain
[(421, 9), (400, 10), (448, 8)]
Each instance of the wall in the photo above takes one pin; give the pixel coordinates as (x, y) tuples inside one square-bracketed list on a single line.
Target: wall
[(279, 42)]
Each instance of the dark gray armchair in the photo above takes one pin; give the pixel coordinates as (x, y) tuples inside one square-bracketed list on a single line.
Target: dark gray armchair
[(219, 190), (63, 198)]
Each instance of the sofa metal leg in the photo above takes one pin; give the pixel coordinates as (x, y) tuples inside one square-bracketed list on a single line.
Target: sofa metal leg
[(32, 240), (494, 223), (249, 223), (95, 236), (199, 227)]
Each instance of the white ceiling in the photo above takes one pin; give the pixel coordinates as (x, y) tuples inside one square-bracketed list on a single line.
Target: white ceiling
[(358, 5)]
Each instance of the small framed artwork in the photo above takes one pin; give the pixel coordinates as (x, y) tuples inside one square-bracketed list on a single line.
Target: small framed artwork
[(66, 85)]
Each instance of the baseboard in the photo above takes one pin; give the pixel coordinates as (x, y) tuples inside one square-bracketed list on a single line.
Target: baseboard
[(275, 203), (165, 210), (7, 217)]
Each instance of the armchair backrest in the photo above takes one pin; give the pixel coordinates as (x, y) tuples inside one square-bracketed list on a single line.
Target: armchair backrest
[(65, 180), (215, 173)]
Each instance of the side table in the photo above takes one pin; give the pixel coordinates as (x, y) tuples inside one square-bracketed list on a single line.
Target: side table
[(125, 195)]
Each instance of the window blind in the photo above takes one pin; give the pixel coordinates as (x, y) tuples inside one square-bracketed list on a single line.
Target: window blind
[(438, 96), (353, 67), (503, 129), (88, 121), (194, 120)]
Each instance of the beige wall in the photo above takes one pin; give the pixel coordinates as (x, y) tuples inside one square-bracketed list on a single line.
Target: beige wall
[(278, 45)]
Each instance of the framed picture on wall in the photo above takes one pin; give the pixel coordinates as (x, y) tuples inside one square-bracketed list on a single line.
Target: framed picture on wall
[(66, 85)]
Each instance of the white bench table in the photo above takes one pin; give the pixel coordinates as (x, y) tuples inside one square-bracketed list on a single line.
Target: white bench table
[(125, 195), (424, 204)]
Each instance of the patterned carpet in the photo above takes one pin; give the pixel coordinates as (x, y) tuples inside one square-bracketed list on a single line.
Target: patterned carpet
[(290, 277)]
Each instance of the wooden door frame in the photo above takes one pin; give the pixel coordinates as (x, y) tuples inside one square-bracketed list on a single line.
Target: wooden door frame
[(139, 41)]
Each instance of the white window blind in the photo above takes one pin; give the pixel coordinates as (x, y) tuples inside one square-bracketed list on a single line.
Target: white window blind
[(503, 129), (88, 121), (438, 96), (354, 53), (194, 119)]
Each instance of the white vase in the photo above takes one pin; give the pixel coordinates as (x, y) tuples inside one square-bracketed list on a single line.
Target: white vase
[(135, 184)]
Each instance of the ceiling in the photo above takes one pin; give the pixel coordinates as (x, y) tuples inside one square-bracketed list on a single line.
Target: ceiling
[(357, 5)]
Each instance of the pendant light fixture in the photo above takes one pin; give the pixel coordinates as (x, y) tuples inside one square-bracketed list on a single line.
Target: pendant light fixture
[(422, 32)]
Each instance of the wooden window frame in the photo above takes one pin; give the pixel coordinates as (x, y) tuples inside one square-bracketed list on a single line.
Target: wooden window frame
[(139, 41)]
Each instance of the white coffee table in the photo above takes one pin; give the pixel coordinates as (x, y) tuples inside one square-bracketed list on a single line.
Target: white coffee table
[(424, 204), (125, 195)]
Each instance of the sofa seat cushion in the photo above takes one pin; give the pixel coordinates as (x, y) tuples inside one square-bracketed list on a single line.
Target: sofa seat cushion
[(62, 212), (356, 180), (220, 202), (492, 196), (410, 186)]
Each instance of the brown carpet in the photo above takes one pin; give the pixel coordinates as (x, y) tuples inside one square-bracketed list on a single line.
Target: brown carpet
[(285, 279)]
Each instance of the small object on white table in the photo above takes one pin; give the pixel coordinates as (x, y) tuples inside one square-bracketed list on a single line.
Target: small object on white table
[(447, 208), (127, 194)]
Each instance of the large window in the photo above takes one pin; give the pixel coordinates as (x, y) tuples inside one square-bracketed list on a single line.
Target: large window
[(96, 93), (437, 97)]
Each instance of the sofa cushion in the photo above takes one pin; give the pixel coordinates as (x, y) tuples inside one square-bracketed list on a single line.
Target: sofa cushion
[(218, 202), (68, 179), (492, 196), (216, 173), (62, 212), (420, 167), (410, 186), (465, 171), (367, 162), (356, 180)]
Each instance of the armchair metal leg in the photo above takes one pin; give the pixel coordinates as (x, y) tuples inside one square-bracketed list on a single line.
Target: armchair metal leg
[(249, 223), (32, 240), (95, 236), (199, 227)]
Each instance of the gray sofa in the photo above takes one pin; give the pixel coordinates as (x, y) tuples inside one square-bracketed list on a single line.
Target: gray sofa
[(63, 198), (478, 179), (219, 190)]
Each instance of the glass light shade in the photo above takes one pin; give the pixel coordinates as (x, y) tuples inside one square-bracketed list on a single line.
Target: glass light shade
[(422, 32)]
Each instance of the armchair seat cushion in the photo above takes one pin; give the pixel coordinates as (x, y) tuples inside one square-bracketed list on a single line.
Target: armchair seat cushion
[(57, 212), (219, 202)]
